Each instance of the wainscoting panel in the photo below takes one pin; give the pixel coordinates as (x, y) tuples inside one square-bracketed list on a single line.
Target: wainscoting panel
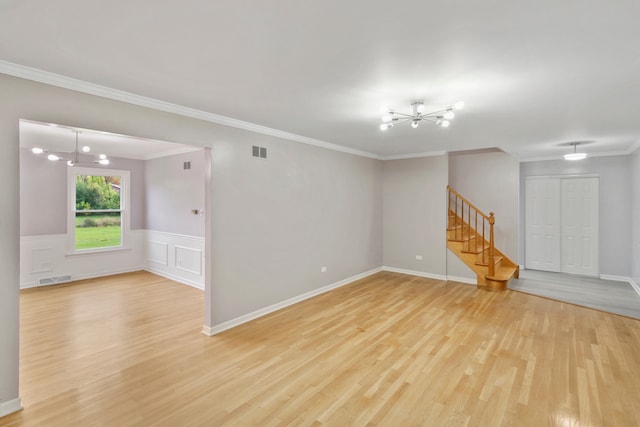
[(43, 260), (157, 252), (175, 256)]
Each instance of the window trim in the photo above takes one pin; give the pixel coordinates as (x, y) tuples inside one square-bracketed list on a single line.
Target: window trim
[(125, 215)]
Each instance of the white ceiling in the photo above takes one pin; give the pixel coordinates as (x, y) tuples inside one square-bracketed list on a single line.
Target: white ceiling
[(533, 75), (62, 139)]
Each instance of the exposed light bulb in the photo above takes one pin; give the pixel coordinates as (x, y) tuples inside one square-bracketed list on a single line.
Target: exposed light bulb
[(444, 123), (415, 123), (102, 156), (70, 163), (384, 126), (86, 149), (37, 150), (458, 105), (387, 118), (53, 157), (449, 115), (103, 161), (420, 108)]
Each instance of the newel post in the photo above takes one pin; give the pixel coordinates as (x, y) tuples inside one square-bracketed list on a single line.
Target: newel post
[(492, 263)]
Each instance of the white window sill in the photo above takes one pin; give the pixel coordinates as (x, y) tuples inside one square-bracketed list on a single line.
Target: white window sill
[(98, 251)]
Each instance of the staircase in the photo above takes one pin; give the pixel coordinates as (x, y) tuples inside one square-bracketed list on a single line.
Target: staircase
[(470, 235)]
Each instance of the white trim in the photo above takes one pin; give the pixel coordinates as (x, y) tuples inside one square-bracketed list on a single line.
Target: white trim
[(415, 273), (215, 329), (78, 277), (143, 101), (629, 280), (414, 155), (175, 278), (165, 245), (615, 278), (10, 406), (635, 286), (186, 248)]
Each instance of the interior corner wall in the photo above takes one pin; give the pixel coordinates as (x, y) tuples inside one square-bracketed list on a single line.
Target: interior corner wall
[(615, 205), (635, 215), (414, 214), (491, 181)]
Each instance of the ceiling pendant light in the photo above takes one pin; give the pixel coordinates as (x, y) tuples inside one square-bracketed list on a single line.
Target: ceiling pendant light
[(441, 117), (575, 155), (73, 158)]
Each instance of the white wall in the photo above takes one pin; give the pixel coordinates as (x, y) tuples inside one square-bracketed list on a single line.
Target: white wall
[(490, 179), (274, 222), (615, 205), (414, 214), (172, 192), (635, 216)]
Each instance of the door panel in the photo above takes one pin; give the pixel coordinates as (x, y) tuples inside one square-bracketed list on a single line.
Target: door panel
[(542, 224), (579, 231)]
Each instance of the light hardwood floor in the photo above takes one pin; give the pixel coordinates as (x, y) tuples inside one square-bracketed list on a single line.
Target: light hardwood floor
[(388, 350)]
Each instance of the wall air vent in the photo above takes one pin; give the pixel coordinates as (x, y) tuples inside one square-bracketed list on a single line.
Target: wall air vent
[(54, 280), (259, 152)]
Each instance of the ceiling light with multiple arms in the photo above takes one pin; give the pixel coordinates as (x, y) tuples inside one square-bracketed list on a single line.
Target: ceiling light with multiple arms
[(441, 117), (73, 158)]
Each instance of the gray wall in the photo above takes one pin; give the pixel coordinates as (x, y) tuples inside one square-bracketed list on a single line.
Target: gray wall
[(278, 221), (172, 192), (414, 214), (635, 215), (490, 179), (274, 223), (43, 194), (615, 205)]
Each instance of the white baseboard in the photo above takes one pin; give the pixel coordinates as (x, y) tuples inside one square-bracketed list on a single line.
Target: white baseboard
[(175, 278), (415, 273), (629, 280), (10, 407), (216, 329), (635, 286), (75, 278)]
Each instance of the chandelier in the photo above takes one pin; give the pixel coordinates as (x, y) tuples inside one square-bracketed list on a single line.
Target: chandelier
[(441, 117), (78, 157)]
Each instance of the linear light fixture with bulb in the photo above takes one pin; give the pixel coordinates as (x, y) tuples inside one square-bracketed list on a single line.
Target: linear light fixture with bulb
[(441, 117), (575, 155)]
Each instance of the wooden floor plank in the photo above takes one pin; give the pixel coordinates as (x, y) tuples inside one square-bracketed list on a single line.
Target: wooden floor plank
[(387, 350)]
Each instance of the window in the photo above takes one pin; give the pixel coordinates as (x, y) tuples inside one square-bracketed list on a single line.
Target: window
[(98, 218)]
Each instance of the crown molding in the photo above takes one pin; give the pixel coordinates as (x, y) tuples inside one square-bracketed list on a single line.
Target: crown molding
[(65, 82), (414, 155)]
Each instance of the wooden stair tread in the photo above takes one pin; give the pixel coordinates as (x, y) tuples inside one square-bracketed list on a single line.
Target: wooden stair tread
[(503, 274)]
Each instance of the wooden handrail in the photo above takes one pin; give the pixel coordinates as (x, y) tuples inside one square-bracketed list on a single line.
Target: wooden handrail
[(451, 190), (469, 225)]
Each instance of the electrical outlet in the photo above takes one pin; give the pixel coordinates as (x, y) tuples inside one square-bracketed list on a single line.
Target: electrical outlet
[(323, 270), (419, 257)]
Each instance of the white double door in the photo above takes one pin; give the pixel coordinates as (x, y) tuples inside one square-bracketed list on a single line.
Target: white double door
[(561, 224)]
